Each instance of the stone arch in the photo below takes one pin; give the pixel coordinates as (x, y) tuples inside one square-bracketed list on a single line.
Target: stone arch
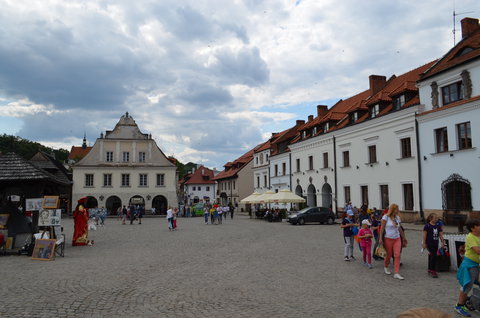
[(160, 204), (311, 196), (327, 196), (112, 204)]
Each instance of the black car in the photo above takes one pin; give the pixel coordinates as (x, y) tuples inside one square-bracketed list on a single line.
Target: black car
[(312, 214)]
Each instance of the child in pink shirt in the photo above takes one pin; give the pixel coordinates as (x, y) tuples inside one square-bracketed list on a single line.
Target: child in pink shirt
[(365, 235)]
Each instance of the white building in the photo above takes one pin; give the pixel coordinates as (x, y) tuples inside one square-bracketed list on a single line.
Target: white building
[(261, 173), (449, 128), (200, 187), (126, 167)]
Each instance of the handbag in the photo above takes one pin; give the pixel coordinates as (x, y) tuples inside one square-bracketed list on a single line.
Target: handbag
[(380, 251), (442, 262), (355, 230)]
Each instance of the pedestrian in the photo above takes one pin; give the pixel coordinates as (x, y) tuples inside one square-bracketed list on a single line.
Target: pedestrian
[(348, 237), (432, 234), (153, 210), (468, 272), (124, 214), (133, 213), (119, 212), (232, 209), (376, 229), (215, 216), (175, 215), (212, 215), (140, 214), (365, 235), (102, 215), (206, 213), (170, 218), (391, 236), (220, 213)]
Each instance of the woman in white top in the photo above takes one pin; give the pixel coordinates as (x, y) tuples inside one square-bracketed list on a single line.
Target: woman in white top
[(391, 236), (170, 218)]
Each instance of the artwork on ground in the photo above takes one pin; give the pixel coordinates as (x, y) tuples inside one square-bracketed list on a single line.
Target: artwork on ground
[(44, 249)]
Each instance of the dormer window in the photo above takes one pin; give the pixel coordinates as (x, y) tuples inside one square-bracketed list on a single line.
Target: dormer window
[(354, 117), (451, 93), (314, 131), (374, 110), (465, 51), (304, 134), (326, 127), (398, 102)]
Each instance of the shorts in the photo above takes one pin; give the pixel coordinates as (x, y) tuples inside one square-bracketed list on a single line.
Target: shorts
[(473, 278)]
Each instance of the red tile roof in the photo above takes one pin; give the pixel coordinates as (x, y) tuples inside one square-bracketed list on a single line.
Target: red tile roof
[(77, 153), (202, 175), (232, 168), (454, 57)]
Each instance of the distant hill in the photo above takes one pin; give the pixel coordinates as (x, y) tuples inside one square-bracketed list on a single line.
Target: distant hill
[(183, 169), (26, 148)]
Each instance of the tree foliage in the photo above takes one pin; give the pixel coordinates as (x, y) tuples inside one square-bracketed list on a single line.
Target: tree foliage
[(27, 149)]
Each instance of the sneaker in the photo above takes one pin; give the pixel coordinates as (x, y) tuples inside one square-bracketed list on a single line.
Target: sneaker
[(346, 259), (398, 276), (352, 258), (434, 274), (463, 311), (385, 269), (370, 266)]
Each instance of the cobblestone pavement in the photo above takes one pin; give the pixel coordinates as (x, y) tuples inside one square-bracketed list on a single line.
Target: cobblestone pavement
[(242, 268)]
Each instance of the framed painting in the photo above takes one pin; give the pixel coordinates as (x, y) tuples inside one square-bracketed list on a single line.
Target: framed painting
[(9, 243), (50, 202), (3, 220), (49, 217), (33, 204), (44, 249)]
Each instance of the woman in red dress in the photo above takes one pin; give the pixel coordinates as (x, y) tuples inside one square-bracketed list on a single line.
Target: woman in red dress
[(80, 233)]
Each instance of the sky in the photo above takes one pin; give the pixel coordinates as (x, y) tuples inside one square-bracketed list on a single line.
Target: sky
[(209, 80)]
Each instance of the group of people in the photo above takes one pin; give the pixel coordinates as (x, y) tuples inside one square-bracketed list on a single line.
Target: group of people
[(216, 213), (385, 228), (172, 214), (131, 213), (98, 215)]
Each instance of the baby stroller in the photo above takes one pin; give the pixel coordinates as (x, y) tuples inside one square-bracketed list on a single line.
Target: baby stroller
[(473, 302)]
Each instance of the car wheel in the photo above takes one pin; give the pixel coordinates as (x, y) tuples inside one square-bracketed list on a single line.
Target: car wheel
[(301, 221), (330, 221)]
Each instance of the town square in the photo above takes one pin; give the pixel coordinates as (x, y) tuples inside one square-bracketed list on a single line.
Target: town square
[(239, 159)]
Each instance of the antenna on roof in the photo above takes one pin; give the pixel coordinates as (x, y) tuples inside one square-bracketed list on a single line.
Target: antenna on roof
[(455, 20)]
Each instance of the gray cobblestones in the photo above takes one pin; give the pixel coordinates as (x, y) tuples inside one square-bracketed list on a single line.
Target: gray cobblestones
[(243, 268)]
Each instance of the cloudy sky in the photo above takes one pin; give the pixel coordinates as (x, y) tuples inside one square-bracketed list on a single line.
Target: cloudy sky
[(208, 79)]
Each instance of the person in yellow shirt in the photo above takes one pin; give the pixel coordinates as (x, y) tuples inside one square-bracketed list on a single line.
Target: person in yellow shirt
[(468, 272)]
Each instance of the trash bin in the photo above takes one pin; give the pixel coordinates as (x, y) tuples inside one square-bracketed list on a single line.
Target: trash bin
[(456, 219)]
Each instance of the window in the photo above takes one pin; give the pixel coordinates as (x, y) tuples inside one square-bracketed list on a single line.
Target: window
[(385, 201), (284, 168), (310, 162), (298, 165), (266, 158), (143, 182), (107, 180), (125, 180), (141, 156), (199, 188), (346, 192), (229, 185), (208, 188), (464, 136), (354, 117), (346, 159), (304, 134), (372, 154), (326, 127), (89, 180), (406, 147), (408, 196), (325, 160), (374, 110), (276, 170), (160, 179), (261, 159), (256, 160), (125, 156), (314, 131), (233, 185), (452, 93), (109, 156), (441, 139), (194, 188), (258, 181), (457, 194), (364, 192), (265, 184), (398, 102)]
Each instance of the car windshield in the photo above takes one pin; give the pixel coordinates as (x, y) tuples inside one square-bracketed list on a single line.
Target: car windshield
[(305, 210)]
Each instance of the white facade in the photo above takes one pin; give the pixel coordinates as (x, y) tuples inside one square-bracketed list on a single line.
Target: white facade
[(392, 177), (280, 175), (200, 192), (312, 166), (126, 167), (261, 175), (442, 163)]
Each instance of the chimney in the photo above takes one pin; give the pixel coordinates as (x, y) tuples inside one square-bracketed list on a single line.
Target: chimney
[(377, 83), (321, 110), (310, 118), (469, 25), (300, 122)]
